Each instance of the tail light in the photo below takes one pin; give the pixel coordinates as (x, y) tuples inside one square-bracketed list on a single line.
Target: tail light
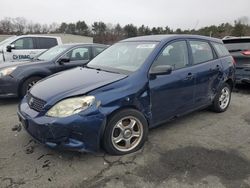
[(246, 52)]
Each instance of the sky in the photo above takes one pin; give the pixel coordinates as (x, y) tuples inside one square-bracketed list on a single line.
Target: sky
[(184, 14)]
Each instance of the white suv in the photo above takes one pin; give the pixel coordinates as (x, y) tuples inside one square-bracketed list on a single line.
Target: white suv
[(25, 47)]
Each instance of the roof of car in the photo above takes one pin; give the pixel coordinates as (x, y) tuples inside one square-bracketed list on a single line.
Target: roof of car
[(47, 36), (160, 38), (82, 44)]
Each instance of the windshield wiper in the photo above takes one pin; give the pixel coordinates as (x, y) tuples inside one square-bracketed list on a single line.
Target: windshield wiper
[(90, 67), (99, 69), (109, 71)]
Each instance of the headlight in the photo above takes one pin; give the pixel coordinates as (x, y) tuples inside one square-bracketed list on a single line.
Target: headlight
[(7, 71), (71, 106)]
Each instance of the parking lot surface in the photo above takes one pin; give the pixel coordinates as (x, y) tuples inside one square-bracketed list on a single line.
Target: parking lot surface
[(203, 149)]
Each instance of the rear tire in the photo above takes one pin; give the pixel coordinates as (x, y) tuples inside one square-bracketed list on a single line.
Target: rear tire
[(125, 132), (27, 84), (222, 99)]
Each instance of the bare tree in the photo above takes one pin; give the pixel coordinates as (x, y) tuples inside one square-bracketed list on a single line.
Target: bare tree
[(244, 20), (37, 28), (109, 33), (53, 27), (19, 24), (45, 28), (7, 26)]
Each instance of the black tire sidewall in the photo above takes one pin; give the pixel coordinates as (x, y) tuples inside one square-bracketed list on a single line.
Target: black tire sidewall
[(25, 84), (107, 142)]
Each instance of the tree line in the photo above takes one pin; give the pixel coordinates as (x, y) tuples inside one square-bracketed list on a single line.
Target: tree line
[(109, 33)]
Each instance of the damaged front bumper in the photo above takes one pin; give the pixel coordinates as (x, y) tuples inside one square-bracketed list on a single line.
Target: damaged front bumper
[(79, 132)]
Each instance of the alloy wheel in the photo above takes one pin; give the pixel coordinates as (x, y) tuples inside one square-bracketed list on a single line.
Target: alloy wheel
[(31, 84), (224, 98), (127, 134)]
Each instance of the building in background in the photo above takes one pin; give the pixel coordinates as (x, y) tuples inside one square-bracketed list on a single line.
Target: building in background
[(66, 38)]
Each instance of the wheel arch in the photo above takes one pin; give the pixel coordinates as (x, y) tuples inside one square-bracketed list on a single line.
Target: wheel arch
[(133, 107), (230, 82), (28, 77), (127, 107)]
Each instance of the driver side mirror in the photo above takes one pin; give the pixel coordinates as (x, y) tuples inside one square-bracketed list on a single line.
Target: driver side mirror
[(161, 70), (9, 48), (63, 60)]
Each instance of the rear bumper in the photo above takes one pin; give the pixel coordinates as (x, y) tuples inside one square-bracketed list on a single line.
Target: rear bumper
[(242, 74), (8, 87)]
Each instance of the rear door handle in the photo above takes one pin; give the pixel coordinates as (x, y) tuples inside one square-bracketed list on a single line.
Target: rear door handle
[(190, 76), (217, 68)]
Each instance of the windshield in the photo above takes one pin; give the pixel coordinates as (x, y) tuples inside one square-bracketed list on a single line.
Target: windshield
[(124, 57), (6, 40), (51, 53)]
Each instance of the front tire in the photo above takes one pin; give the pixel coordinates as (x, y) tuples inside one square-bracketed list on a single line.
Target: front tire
[(126, 132), (27, 84), (222, 99)]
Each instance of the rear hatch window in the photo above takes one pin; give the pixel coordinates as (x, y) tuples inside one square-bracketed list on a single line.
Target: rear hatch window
[(240, 50), (236, 45)]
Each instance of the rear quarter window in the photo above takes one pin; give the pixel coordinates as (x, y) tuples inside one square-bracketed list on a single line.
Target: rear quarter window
[(46, 43), (220, 49)]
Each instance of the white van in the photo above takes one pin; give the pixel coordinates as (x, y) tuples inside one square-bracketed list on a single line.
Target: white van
[(25, 47)]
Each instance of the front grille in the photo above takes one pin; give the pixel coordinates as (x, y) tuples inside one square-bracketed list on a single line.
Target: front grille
[(35, 103)]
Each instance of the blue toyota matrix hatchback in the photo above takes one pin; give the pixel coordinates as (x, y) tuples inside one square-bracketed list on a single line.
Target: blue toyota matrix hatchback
[(132, 86)]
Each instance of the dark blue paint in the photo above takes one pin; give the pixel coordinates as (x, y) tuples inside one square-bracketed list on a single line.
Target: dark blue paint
[(159, 98)]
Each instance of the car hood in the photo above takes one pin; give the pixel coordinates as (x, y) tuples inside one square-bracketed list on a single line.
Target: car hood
[(77, 81)]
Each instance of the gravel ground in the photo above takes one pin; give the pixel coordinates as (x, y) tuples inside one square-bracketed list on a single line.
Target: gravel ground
[(203, 149)]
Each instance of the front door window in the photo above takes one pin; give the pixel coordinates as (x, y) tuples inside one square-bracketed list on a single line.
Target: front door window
[(175, 54)]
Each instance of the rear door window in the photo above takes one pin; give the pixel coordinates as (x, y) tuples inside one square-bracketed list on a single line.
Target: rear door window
[(46, 43), (24, 43), (220, 49), (201, 51)]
